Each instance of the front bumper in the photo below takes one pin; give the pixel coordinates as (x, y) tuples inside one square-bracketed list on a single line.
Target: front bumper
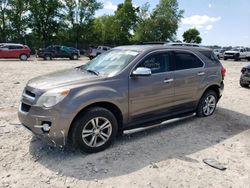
[(230, 56), (36, 116)]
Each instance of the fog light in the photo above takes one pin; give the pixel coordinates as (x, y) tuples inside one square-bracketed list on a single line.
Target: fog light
[(46, 127)]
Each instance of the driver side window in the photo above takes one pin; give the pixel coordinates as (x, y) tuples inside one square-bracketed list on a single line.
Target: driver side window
[(158, 63)]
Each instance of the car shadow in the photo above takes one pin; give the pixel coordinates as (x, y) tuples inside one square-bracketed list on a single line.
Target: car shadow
[(61, 59), (15, 60), (133, 152)]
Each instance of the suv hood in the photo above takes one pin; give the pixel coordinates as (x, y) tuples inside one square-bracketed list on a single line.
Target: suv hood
[(62, 78), (231, 51)]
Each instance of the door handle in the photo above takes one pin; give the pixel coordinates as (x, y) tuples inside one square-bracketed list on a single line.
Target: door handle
[(168, 80), (201, 73)]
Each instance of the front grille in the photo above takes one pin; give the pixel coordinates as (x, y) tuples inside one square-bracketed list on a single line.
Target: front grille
[(25, 107), (229, 53), (29, 93)]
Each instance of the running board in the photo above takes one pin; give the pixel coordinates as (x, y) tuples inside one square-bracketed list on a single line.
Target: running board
[(135, 130)]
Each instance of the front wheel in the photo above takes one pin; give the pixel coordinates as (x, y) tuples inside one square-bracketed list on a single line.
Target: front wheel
[(94, 130), (242, 84), (207, 104), (237, 57)]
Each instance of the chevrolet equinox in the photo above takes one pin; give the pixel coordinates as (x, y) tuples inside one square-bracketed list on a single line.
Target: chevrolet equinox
[(121, 89)]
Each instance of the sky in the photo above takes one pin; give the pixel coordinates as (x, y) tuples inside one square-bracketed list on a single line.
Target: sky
[(220, 22)]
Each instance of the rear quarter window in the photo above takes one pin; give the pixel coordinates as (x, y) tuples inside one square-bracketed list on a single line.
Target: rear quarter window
[(210, 55)]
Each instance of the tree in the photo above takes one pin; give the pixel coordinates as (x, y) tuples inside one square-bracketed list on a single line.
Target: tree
[(45, 19), (162, 23), (79, 15), (125, 18), (3, 20), (18, 18), (192, 35)]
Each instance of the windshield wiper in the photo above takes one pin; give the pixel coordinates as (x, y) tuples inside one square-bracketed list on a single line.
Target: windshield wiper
[(93, 71)]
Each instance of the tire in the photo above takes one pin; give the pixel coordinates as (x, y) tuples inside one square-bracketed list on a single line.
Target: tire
[(74, 57), (23, 57), (47, 57), (237, 57), (248, 58), (94, 139), (225, 58), (242, 84), (209, 99)]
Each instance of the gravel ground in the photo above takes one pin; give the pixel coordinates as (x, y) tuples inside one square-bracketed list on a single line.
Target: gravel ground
[(166, 156)]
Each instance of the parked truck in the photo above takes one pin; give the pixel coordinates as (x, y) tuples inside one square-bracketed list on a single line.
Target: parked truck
[(93, 52), (237, 54)]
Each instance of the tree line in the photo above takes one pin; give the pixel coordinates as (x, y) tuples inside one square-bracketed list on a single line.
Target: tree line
[(39, 23)]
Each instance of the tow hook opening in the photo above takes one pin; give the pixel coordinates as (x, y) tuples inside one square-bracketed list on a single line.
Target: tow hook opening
[(46, 126)]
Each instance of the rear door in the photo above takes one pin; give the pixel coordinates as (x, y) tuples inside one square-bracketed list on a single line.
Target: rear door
[(151, 96), (15, 51), (189, 73), (57, 51)]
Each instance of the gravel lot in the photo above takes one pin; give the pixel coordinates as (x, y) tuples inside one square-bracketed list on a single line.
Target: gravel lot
[(166, 156)]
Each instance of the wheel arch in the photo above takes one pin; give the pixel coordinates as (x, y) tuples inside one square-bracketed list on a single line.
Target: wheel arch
[(107, 105), (214, 88)]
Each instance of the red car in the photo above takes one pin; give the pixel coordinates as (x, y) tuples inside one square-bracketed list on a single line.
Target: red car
[(14, 51)]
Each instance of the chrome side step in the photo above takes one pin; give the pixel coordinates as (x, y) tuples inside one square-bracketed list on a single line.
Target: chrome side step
[(132, 131)]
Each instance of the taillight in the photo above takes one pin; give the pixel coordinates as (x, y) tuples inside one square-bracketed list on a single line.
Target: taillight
[(243, 70), (223, 72)]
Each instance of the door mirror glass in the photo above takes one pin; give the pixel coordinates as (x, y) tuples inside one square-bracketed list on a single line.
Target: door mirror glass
[(142, 71)]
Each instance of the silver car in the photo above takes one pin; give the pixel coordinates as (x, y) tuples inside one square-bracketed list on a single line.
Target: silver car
[(123, 88)]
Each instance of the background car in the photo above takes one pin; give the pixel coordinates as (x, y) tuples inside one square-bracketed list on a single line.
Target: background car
[(245, 76), (56, 51), (14, 51), (219, 53), (93, 52)]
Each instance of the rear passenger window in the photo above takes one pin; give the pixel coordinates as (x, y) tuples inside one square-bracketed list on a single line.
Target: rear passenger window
[(15, 47), (184, 60)]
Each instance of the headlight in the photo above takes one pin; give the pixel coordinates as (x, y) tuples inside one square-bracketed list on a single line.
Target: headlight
[(52, 97)]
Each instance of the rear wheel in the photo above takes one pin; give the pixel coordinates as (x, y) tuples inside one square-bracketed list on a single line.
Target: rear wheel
[(47, 57), (94, 130), (74, 57), (207, 104), (225, 58), (23, 57)]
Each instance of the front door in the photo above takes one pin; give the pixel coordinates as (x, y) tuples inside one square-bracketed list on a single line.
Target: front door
[(151, 96)]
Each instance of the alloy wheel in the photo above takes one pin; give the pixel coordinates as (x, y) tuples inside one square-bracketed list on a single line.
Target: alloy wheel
[(209, 105), (96, 132)]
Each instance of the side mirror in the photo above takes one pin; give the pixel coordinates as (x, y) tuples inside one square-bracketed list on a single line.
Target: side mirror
[(142, 71)]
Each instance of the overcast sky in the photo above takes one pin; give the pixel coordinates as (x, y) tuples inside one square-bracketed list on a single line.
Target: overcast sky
[(221, 22)]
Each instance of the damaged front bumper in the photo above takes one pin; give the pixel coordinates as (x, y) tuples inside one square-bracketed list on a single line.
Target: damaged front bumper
[(47, 124)]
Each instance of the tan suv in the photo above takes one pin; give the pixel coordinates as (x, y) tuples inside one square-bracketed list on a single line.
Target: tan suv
[(123, 88)]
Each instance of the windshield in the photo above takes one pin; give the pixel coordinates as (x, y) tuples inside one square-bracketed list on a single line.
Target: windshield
[(111, 62), (236, 49)]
